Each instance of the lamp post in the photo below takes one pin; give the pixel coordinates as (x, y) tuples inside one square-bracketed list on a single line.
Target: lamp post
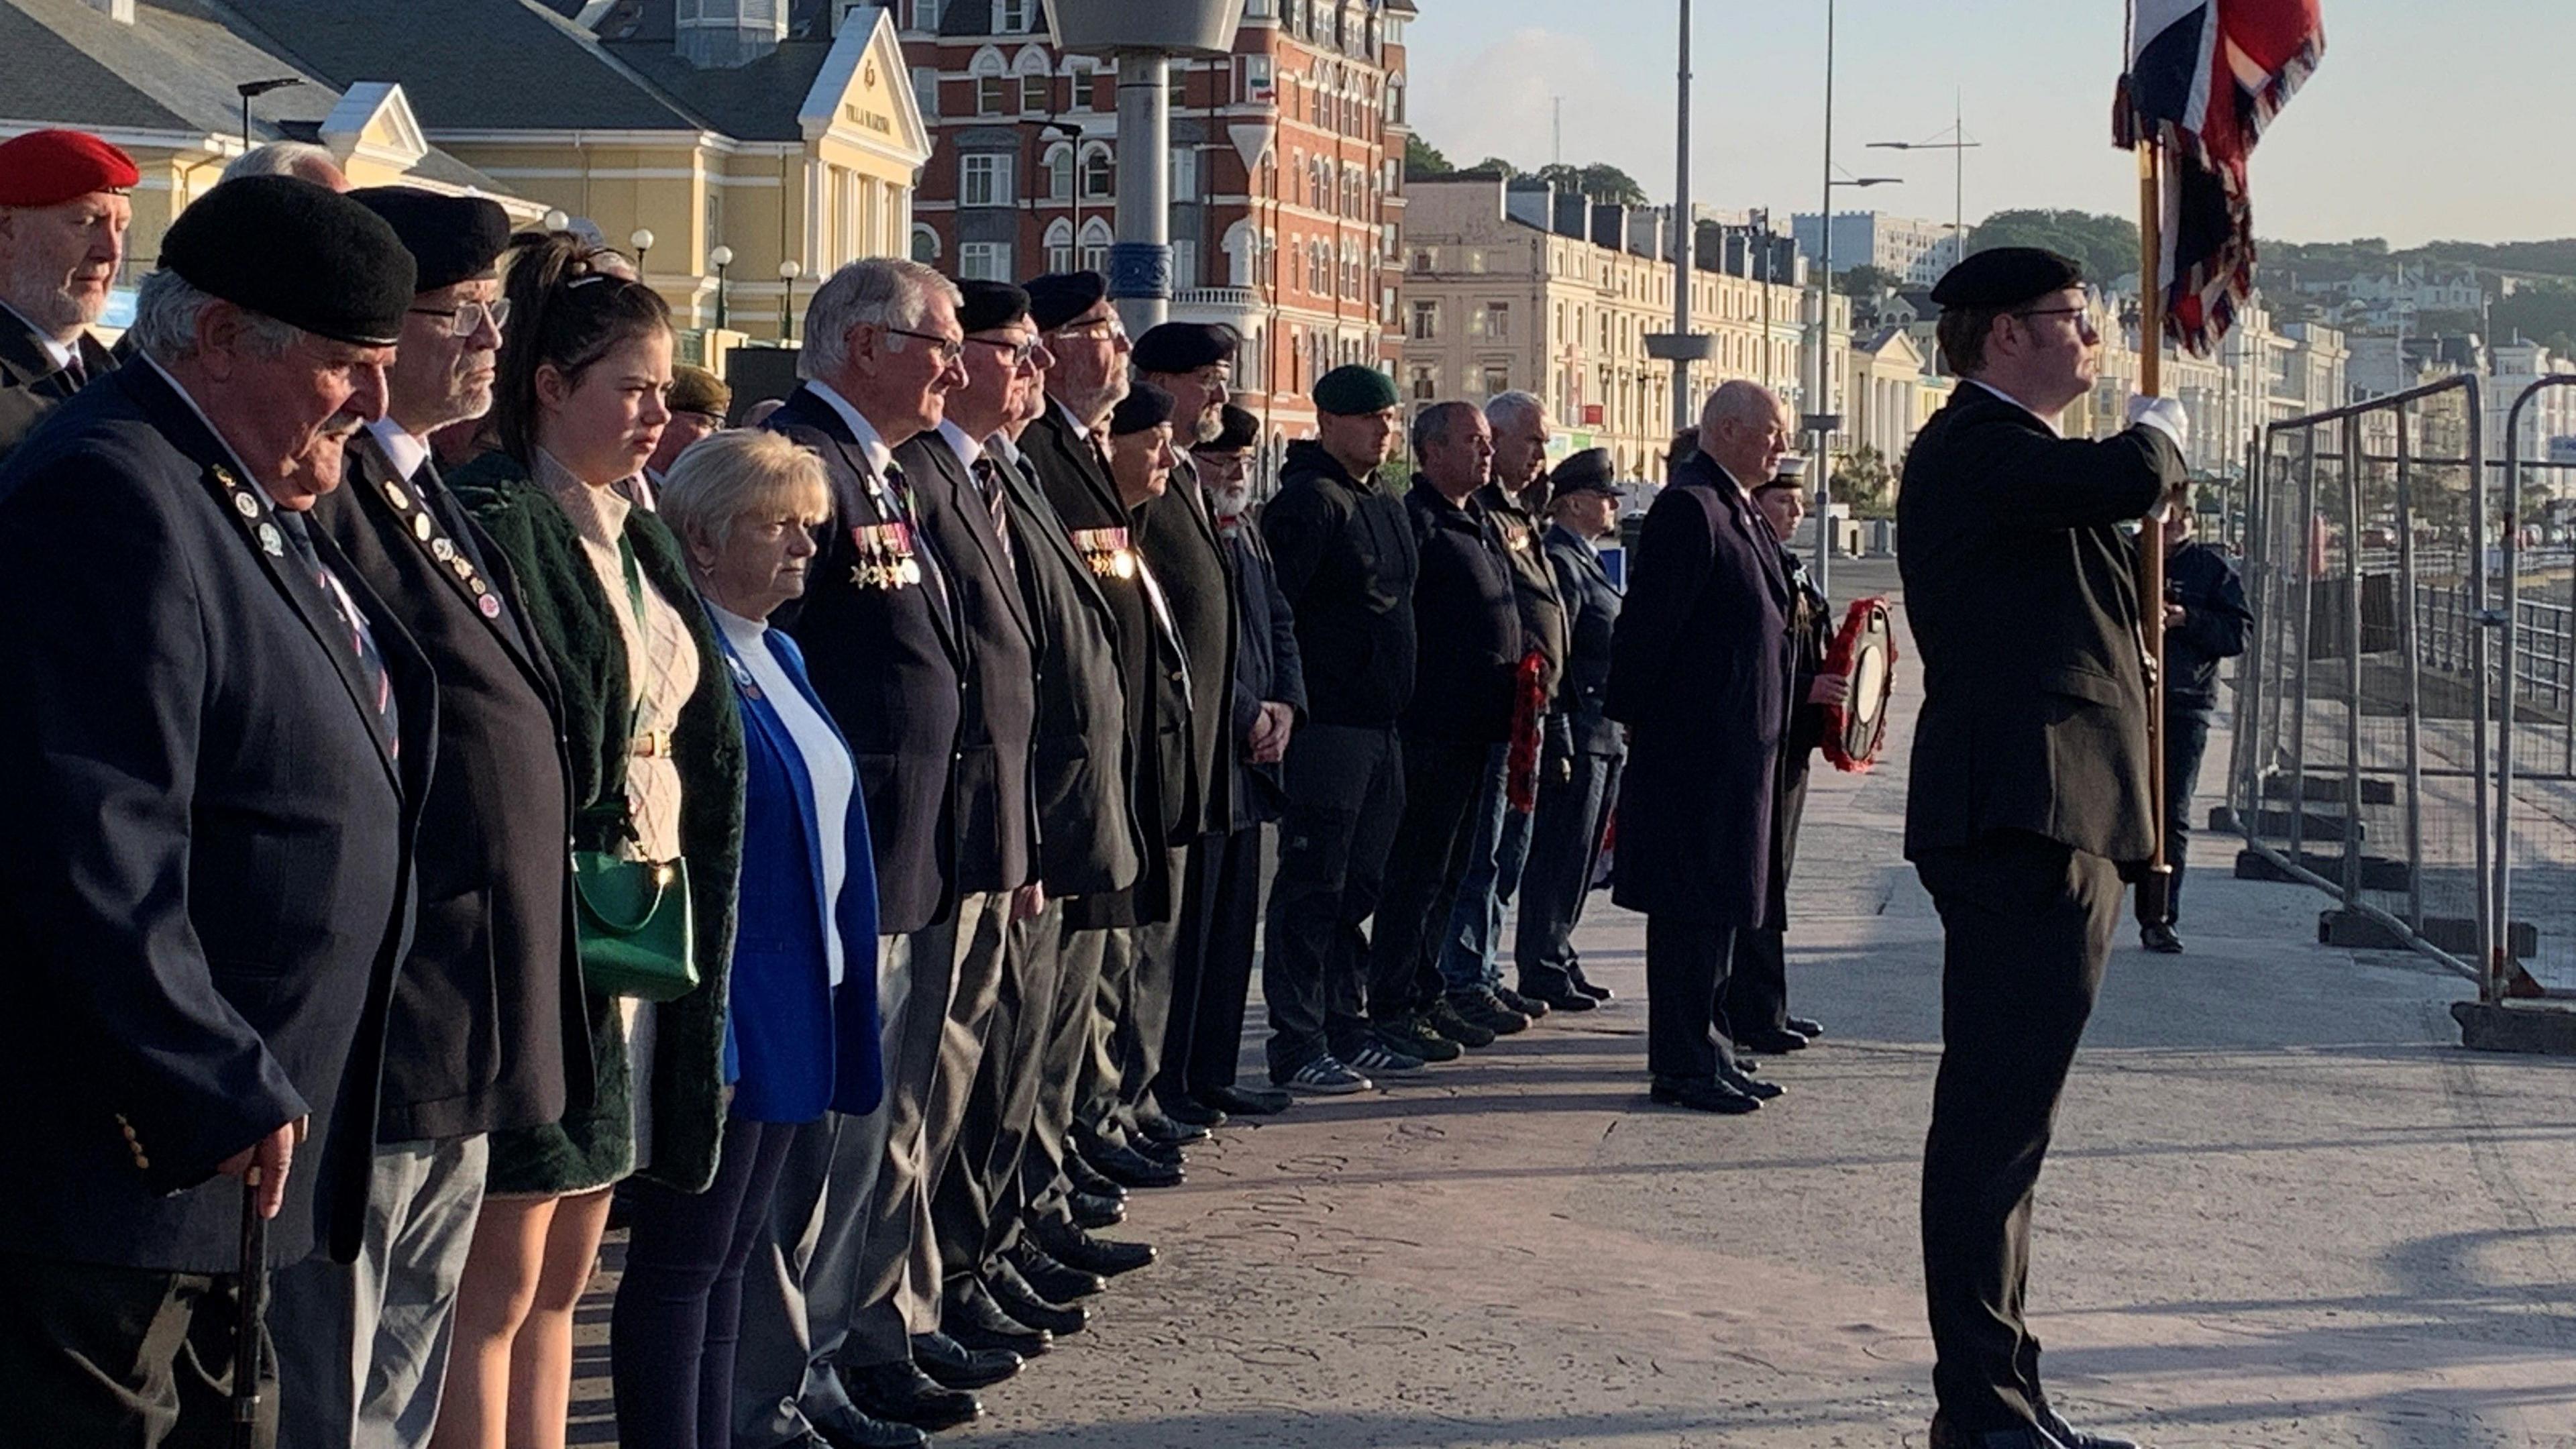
[(720, 258), (1958, 146), (1823, 422), (1682, 347), (788, 271), (1072, 135), (248, 89), (642, 240)]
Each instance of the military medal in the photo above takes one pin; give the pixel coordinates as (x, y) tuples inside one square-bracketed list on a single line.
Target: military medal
[(441, 550), (490, 604), (245, 505), (271, 542), (421, 526), (397, 497)]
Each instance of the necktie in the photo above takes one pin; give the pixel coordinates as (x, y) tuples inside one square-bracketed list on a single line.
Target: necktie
[(75, 376), (988, 478), (376, 683)]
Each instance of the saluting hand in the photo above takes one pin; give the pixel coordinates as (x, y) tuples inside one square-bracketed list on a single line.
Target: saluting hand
[(264, 1164)]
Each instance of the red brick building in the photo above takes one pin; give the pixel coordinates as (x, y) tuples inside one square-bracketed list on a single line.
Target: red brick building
[(1286, 175)]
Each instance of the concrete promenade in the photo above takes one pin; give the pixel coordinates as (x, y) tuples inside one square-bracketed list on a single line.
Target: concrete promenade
[(2284, 1209)]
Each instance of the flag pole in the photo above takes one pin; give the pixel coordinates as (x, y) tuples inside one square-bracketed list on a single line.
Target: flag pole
[(2155, 887)]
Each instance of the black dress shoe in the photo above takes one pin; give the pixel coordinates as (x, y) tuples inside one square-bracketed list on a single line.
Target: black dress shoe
[(1131, 1168), (900, 1391), (952, 1365), (2020, 1436), (1169, 1130), (1191, 1112), (1022, 1302), (1771, 1043), (1530, 1006), (1075, 1248), (2074, 1438), (1248, 1101), (1563, 999), (1155, 1149), (1096, 1212), (1749, 1084), (1702, 1097), (1585, 985), (1806, 1028), (1038, 1271), (862, 1432), (971, 1317), (2161, 940), (1087, 1178)]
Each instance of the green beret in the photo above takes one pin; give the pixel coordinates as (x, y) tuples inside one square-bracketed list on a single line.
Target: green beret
[(1352, 390), (696, 390), (451, 238), (2002, 277), (300, 253)]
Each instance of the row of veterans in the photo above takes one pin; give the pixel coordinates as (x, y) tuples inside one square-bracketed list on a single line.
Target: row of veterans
[(470, 781)]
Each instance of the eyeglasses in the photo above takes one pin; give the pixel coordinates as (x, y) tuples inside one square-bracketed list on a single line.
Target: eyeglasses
[(468, 317), (1018, 353), (945, 349), (1100, 328), (2079, 313)]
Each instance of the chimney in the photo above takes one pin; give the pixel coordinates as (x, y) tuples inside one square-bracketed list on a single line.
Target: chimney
[(120, 11), (722, 34), (1529, 201), (1572, 216), (1610, 225)]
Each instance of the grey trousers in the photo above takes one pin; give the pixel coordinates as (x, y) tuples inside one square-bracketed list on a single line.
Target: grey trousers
[(1135, 1008), (967, 1210), (362, 1347), (1072, 1024), (122, 1358)]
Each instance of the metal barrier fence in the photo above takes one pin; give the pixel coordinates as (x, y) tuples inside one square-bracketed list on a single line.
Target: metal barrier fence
[(2406, 710)]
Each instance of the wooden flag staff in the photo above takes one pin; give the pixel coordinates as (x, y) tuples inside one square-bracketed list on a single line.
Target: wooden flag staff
[(2155, 887)]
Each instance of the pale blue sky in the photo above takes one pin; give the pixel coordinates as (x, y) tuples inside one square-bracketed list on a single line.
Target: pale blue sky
[(2429, 119)]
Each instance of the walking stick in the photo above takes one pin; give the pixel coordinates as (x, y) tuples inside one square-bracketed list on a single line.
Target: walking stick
[(249, 1343), (2155, 886)]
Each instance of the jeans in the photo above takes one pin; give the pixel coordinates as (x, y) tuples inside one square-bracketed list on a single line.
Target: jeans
[(1441, 781), (1565, 848), (1496, 859), (2186, 740)]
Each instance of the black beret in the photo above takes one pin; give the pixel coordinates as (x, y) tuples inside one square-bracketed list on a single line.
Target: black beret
[(1239, 432), (1353, 390), (1176, 347), (2001, 277), (451, 238), (988, 305), (303, 254), (1059, 297), (1145, 406), (1590, 471)]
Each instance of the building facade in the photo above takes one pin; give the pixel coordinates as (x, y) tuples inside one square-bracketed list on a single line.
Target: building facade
[(1917, 252), (1287, 187)]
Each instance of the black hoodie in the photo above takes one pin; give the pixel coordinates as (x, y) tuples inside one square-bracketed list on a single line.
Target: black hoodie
[(1346, 560)]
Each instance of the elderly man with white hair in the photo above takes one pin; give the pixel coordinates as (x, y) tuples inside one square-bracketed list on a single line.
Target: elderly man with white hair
[(63, 216)]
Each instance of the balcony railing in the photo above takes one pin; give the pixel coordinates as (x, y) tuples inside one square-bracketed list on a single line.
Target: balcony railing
[(1241, 299)]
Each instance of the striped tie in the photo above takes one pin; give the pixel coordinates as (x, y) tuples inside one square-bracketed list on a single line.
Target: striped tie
[(376, 680), (988, 479)]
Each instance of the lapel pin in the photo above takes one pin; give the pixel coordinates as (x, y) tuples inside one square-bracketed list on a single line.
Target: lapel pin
[(271, 542)]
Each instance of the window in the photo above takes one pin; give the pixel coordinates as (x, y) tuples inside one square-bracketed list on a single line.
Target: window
[(984, 180), (1184, 174), (997, 95), (925, 244), (1422, 259), (1498, 321), (1426, 384), (1185, 267), (984, 261), (1099, 174), (1498, 378), (925, 91), (1059, 173), (1256, 80), (925, 14), (1012, 16), (1079, 73), (1426, 321), (1095, 245), (1256, 9), (1059, 245)]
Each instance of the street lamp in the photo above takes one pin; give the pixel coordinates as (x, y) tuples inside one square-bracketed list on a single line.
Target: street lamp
[(248, 89), (788, 271), (1958, 146), (641, 238), (1073, 177), (720, 258)]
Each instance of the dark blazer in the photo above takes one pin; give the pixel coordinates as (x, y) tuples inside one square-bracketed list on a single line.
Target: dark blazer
[(1181, 544), (1542, 608), (890, 661), (1267, 669), (2022, 595), (1087, 834), (1591, 617), (1811, 632), (1346, 561), (2215, 621), (1466, 621), (205, 886), (570, 614), (1699, 671), (487, 1026), (30, 385), (795, 1044), (995, 804), (1152, 662)]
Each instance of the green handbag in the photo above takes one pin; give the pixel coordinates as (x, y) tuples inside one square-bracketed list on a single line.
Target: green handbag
[(634, 924)]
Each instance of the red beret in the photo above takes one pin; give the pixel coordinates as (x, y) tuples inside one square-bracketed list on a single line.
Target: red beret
[(48, 168)]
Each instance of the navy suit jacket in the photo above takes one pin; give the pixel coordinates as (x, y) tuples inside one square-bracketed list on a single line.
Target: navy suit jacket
[(795, 1044), (205, 886)]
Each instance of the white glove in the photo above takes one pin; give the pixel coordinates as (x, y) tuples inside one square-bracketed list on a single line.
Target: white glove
[(2165, 416)]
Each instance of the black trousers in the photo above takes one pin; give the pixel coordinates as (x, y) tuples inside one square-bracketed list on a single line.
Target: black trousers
[(979, 1198), (1757, 989), (121, 1358), (1072, 1018), (2186, 740), (2026, 925), (1442, 779), (1345, 794), (1686, 964), (1212, 979), (1565, 849)]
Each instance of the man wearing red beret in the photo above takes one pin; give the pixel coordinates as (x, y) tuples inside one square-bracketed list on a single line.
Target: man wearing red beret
[(63, 216)]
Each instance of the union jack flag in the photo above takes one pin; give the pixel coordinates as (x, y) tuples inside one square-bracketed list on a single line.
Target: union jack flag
[(2205, 77)]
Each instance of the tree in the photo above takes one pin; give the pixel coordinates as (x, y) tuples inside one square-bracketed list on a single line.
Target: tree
[(1862, 481), (1497, 166), (1865, 282), (1600, 182), (2106, 245), (1421, 158)]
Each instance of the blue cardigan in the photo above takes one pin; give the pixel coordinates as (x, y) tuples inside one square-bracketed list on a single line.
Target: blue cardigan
[(794, 1045)]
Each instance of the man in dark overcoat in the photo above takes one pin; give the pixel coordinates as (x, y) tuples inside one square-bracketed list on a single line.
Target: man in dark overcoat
[(2028, 790), (63, 215), (1699, 672), (211, 757), (487, 1012)]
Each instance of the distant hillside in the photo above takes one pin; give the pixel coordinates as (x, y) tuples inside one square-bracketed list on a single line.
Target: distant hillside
[(2336, 261)]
